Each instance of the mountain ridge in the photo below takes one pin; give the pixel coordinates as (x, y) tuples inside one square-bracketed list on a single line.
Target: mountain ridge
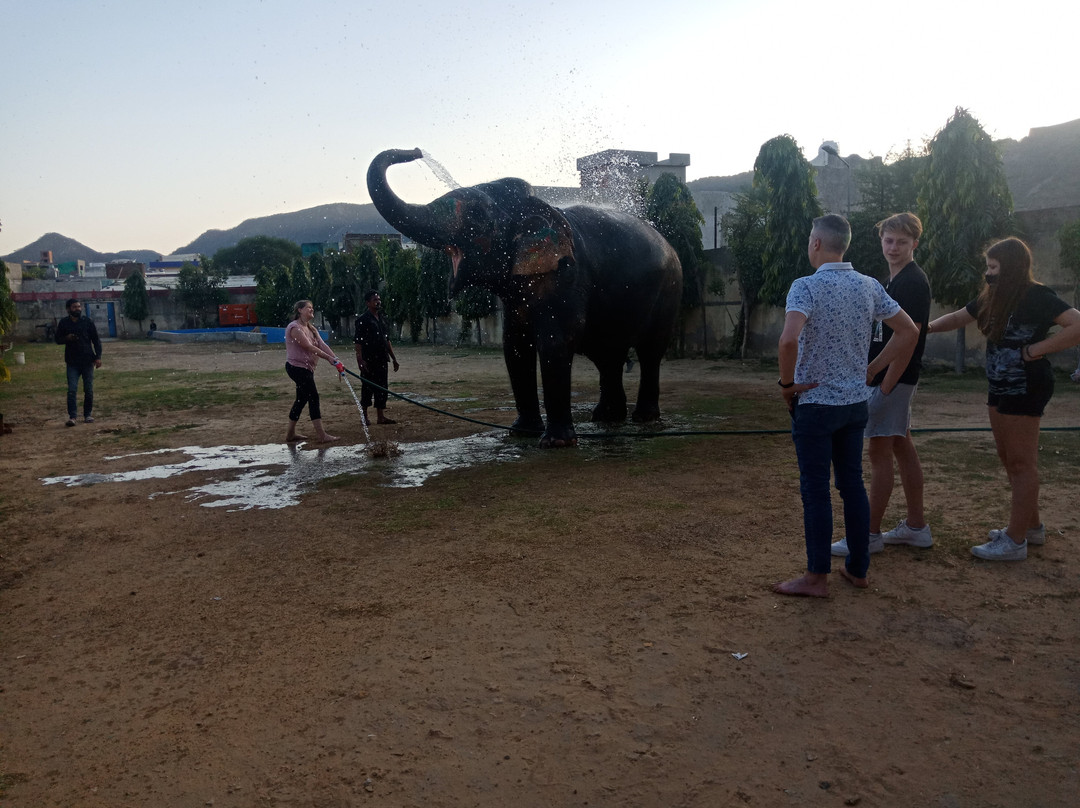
[(322, 223)]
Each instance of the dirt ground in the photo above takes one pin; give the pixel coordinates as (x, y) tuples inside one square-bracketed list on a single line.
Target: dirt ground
[(580, 627)]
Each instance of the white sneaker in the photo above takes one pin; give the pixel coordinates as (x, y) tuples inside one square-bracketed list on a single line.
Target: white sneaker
[(902, 534), (1035, 535), (840, 548), (1001, 549)]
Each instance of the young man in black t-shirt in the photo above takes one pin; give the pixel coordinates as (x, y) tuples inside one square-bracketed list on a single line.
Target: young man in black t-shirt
[(889, 426)]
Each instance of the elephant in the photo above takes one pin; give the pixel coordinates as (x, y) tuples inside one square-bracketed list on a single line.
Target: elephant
[(579, 280)]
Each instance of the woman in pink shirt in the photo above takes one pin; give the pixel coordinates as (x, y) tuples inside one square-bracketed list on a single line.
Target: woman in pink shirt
[(303, 347)]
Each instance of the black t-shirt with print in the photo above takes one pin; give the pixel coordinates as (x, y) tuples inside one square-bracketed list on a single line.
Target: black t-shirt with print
[(1006, 370)]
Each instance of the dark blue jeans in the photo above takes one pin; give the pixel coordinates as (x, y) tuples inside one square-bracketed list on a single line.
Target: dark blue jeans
[(827, 436), (73, 374)]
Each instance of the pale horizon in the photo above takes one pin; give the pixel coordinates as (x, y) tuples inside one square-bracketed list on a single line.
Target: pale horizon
[(132, 125)]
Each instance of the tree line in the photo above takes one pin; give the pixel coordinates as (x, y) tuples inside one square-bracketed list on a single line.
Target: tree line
[(955, 183)]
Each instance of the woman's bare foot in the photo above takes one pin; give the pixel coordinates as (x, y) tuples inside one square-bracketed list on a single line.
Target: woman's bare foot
[(858, 583), (810, 585), (326, 437), (295, 438)]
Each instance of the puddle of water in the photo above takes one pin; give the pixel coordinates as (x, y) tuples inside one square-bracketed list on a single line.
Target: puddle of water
[(277, 475)]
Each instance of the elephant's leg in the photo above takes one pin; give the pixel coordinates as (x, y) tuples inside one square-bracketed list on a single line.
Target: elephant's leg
[(520, 355), (648, 398), (555, 371), (612, 405)]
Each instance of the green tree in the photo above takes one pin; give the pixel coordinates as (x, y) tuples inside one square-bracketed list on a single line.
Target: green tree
[(744, 232), (200, 289), (670, 207), (250, 254), (885, 188), (135, 299), (8, 317), (321, 282), (265, 298), (791, 206), (964, 203), (283, 299), (434, 291), (1069, 239), (474, 304), (302, 287), (401, 297), (345, 297)]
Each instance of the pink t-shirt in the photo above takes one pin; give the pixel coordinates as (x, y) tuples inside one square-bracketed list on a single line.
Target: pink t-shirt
[(296, 354)]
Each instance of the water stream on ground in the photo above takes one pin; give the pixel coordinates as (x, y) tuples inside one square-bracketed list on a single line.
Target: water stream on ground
[(278, 475)]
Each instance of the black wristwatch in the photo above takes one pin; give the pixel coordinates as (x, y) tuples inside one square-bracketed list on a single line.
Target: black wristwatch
[(785, 386)]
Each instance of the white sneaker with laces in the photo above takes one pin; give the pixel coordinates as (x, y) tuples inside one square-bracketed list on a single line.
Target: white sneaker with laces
[(902, 534), (1035, 535), (1002, 548), (840, 548)]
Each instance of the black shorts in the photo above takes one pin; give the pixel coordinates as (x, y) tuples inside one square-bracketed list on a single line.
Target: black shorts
[(1032, 403)]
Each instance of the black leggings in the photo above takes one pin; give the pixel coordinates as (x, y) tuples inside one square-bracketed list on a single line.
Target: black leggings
[(306, 393)]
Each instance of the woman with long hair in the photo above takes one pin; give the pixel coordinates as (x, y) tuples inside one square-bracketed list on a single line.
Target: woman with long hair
[(303, 349), (1015, 313)]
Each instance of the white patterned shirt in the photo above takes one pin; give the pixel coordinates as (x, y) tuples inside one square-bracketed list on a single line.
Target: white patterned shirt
[(841, 306)]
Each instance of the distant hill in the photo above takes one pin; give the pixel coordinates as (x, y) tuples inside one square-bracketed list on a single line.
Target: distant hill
[(68, 249), (736, 183), (1043, 169), (322, 223)]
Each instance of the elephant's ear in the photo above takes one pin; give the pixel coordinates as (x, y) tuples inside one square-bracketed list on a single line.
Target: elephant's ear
[(544, 241)]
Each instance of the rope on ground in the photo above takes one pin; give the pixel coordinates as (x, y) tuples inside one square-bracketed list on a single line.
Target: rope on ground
[(667, 433)]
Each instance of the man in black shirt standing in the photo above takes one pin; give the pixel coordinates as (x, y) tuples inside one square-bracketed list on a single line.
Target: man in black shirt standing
[(889, 424), (373, 354), (82, 354)]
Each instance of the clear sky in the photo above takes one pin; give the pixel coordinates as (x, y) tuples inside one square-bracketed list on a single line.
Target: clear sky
[(140, 124)]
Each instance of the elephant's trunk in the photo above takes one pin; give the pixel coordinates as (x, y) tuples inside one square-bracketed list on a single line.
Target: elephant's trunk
[(415, 221)]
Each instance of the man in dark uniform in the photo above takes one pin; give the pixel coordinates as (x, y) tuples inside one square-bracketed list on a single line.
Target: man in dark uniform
[(82, 353), (373, 354)]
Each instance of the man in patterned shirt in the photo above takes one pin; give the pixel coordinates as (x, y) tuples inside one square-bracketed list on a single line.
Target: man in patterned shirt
[(824, 374)]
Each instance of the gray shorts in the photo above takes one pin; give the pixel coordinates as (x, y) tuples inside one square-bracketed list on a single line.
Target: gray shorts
[(890, 415)]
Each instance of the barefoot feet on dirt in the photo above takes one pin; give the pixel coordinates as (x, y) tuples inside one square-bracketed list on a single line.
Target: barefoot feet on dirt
[(810, 585), (295, 438), (858, 583)]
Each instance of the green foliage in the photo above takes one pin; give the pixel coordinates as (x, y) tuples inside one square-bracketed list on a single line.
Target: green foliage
[(135, 299), (265, 297), (321, 282), (200, 289), (474, 303), (8, 315), (435, 269), (301, 286), (346, 292), (33, 273), (283, 298), (964, 203), (744, 231), (885, 188), (251, 254), (401, 298), (787, 179), (670, 207), (891, 186), (1069, 239)]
